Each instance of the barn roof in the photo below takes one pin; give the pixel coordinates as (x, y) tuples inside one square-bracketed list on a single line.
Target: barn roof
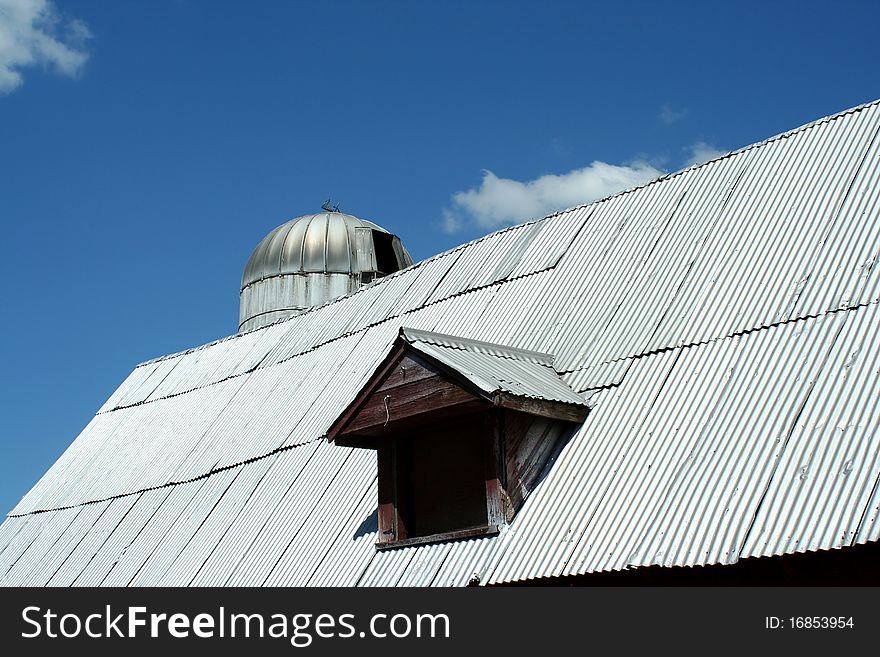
[(723, 322)]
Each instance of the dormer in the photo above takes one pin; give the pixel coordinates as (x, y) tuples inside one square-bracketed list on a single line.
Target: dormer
[(463, 431)]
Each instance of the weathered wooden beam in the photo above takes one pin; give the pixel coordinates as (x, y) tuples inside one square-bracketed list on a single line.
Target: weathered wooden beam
[(412, 426), (440, 538), (544, 408), (494, 468)]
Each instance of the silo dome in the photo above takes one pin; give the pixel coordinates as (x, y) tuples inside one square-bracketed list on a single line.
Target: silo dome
[(311, 260)]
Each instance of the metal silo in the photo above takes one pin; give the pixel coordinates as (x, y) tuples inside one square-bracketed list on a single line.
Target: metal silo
[(311, 260)]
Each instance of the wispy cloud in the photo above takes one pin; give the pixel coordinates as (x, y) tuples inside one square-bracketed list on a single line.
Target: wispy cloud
[(498, 201), (32, 33), (670, 115), (700, 152)]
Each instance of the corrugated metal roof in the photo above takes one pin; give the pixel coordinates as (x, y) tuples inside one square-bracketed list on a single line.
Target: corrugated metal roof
[(495, 368), (724, 320)]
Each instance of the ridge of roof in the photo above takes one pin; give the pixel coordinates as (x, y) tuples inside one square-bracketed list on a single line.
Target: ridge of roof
[(407, 271)]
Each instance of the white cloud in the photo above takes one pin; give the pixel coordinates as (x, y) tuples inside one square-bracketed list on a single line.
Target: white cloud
[(702, 152), (499, 201), (33, 34), (669, 115), (451, 221)]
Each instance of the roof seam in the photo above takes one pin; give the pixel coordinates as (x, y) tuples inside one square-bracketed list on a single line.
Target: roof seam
[(170, 484), (189, 540), (733, 334), (228, 527), (783, 135), (341, 336), (307, 442), (757, 144), (103, 543), (304, 522), (378, 281), (342, 530), (788, 434)]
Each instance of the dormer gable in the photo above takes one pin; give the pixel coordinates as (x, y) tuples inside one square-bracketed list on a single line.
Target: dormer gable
[(463, 430)]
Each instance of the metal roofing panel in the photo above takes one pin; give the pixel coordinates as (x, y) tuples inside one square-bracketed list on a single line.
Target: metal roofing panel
[(295, 336), (331, 516), (424, 565), (555, 236), (846, 270), (122, 536), (133, 381), (149, 452), (454, 315), (9, 530), (46, 553), (214, 525), (684, 447), (177, 534), (71, 565), (633, 297), (387, 567), (598, 376), (422, 339), (524, 242), (318, 479), (426, 275), (480, 263), (718, 428), (159, 524), (261, 509), (140, 451), (466, 559), (63, 478), (142, 387), (822, 484), (331, 389), (382, 300), (677, 482), (597, 253), (31, 530), (350, 552), (607, 300), (869, 528), (764, 242), (256, 421), (531, 319), (545, 532)]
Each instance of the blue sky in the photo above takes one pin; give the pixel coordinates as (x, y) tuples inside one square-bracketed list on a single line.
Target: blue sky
[(146, 147)]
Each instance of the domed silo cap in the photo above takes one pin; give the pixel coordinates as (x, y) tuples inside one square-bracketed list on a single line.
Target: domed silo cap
[(312, 259)]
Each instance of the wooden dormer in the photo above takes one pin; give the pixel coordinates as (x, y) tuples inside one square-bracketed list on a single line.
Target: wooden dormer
[(462, 430)]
